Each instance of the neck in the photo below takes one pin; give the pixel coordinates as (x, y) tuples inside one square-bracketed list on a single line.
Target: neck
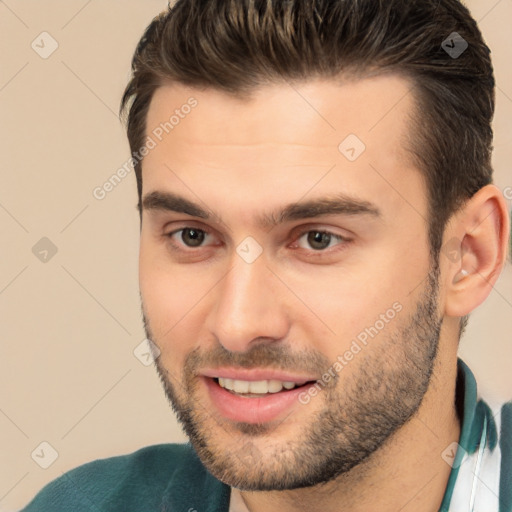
[(407, 473)]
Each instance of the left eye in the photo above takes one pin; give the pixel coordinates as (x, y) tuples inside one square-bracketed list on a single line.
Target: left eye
[(319, 240)]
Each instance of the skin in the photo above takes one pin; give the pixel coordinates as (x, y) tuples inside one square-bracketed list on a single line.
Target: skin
[(279, 147)]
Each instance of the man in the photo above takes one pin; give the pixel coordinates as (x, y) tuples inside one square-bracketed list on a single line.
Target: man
[(317, 222)]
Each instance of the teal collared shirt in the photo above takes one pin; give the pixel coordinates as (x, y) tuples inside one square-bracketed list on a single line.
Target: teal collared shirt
[(481, 476), (171, 478)]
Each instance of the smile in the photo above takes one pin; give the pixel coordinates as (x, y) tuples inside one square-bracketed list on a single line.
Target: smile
[(254, 401), (258, 387)]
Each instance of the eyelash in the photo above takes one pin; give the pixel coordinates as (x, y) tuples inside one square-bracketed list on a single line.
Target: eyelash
[(341, 239)]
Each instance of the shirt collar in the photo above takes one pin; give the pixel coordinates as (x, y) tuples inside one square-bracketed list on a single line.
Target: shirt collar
[(478, 431)]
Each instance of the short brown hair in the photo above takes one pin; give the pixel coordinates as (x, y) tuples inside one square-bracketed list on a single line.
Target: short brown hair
[(237, 46)]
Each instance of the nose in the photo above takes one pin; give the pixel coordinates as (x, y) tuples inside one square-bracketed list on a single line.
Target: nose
[(248, 307)]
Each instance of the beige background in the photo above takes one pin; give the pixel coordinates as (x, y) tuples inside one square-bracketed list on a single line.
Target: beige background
[(68, 373)]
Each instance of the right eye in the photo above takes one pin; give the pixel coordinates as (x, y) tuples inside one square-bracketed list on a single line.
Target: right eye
[(188, 236)]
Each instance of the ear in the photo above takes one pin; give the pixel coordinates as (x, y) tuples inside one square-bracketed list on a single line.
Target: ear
[(476, 244)]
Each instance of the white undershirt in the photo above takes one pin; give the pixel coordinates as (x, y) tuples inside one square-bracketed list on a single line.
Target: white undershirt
[(236, 503)]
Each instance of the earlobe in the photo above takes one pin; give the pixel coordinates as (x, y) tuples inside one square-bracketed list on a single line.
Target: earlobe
[(479, 235)]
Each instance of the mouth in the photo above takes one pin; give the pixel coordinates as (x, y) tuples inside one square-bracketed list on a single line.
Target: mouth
[(257, 388), (255, 401)]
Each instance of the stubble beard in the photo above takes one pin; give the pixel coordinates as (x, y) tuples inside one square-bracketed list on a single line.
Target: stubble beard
[(360, 413)]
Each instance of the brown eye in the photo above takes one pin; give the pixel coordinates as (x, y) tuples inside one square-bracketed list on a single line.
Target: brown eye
[(319, 240), (192, 237)]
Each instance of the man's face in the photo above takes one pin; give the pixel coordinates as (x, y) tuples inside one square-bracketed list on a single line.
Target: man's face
[(335, 286)]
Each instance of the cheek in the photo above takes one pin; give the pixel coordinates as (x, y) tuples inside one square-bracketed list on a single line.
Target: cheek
[(163, 292), (174, 298), (165, 308), (335, 306)]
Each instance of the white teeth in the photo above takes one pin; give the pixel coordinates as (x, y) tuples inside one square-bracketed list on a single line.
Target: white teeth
[(274, 386), (259, 387), (240, 386)]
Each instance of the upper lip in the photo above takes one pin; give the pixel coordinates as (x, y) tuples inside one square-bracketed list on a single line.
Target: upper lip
[(256, 374)]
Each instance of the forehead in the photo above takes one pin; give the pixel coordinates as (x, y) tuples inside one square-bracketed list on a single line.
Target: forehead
[(289, 112), (284, 140)]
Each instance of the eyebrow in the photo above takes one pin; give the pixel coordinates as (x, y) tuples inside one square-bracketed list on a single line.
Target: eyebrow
[(338, 204)]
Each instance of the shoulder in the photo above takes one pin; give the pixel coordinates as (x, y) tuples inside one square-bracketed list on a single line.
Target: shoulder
[(124, 482)]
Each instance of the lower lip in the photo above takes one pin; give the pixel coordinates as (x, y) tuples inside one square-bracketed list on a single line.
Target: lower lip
[(252, 410)]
